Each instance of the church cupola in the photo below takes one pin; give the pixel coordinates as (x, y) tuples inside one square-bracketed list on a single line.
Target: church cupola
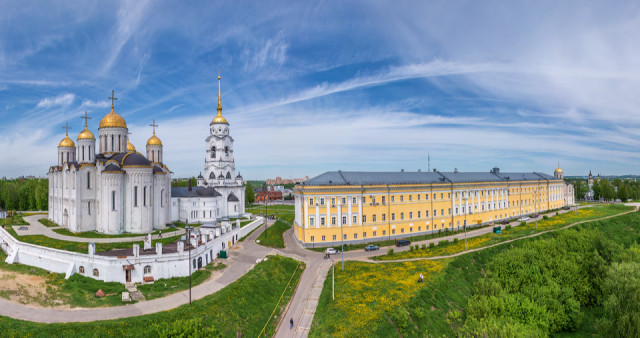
[(154, 146), (113, 131), (66, 148), (219, 163), (86, 143), (219, 119), (558, 173)]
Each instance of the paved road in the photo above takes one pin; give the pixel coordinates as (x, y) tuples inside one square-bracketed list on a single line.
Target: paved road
[(306, 294), (243, 257)]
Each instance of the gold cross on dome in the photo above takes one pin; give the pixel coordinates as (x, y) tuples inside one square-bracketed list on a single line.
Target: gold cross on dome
[(154, 125), (113, 98), (66, 128), (86, 118)]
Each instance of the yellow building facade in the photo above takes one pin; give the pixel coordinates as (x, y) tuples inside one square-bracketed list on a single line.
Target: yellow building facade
[(371, 206)]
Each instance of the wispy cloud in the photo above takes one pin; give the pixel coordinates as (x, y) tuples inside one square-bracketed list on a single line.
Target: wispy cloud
[(60, 100), (94, 104)]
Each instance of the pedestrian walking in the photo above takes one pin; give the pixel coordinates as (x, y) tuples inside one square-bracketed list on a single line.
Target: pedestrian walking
[(291, 322)]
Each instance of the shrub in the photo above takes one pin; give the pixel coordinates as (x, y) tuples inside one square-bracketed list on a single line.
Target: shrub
[(507, 227), (410, 247), (455, 240), (557, 213), (390, 251), (545, 217), (432, 244), (424, 246), (417, 247), (523, 223), (443, 242)]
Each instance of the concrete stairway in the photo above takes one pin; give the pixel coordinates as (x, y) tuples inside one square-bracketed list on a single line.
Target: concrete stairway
[(302, 330)]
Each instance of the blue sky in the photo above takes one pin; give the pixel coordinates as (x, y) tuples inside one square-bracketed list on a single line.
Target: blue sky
[(311, 86)]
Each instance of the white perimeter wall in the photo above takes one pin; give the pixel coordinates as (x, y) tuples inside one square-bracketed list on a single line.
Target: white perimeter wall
[(111, 268)]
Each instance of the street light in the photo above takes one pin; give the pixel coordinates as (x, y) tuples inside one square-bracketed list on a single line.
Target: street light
[(188, 229), (466, 199), (341, 237)]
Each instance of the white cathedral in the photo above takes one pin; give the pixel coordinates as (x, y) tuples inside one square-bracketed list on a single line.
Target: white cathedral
[(115, 189), (111, 189)]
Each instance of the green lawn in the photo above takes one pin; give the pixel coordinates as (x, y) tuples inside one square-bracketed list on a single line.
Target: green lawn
[(273, 236), (94, 234), (283, 210), (13, 220), (77, 291), (244, 306), (446, 248), (164, 287), (81, 247), (48, 223), (380, 300)]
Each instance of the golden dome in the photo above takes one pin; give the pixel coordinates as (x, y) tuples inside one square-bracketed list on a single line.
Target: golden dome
[(154, 140), (66, 142), (112, 120), (219, 118), (86, 134), (558, 170), (130, 146)]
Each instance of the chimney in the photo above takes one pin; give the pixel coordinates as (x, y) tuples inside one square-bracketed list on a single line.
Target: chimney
[(434, 170)]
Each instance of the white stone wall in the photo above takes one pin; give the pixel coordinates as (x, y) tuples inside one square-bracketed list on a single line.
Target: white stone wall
[(113, 140), (111, 268)]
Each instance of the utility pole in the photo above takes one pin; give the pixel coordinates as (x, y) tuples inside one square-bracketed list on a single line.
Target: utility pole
[(466, 199), (188, 229), (333, 280), (341, 238)]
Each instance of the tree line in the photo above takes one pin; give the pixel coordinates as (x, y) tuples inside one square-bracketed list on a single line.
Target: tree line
[(24, 194), (608, 190)]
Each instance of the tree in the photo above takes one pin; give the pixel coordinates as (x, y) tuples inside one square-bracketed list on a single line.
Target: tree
[(621, 295), (623, 192), (597, 194), (580, 189), (606, 190), (249, 195)]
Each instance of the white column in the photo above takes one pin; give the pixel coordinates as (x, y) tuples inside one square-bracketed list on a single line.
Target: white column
[(327, 202), (305, 217), (317, 213), (359, 199)]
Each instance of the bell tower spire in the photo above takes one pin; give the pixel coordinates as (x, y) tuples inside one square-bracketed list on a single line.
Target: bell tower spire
[(219, 118)]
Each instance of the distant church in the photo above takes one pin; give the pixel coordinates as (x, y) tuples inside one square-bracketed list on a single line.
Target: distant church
[(219, 194), (111, 189)]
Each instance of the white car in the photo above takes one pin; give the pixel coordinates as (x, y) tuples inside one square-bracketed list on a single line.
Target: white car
[(331, 251), (523, 219)]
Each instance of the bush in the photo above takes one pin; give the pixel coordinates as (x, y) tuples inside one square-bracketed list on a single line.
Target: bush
[(390, 251), (507, 227), (424, 246), (185, 328), (410, 247), (557, 213), (443, 242), (523, 223), (432, 244), (455, 240), (545, 217), (417, 247)]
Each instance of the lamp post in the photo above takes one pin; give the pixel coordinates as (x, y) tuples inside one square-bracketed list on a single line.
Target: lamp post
[(188, 229), (466, 199), (341, 238)]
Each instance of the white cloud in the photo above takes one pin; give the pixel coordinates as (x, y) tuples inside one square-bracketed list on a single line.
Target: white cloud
[(94, 104), (60, 100)]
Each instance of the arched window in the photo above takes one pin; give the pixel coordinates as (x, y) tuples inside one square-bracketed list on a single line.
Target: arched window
[(83, 153), (212, 175), (112, 146), (89, 153), (226, 150), (89, 208), (113, 200), (88, 180), (81, 269), (147, 269), (194, 263), (162, 198), (135, 196), (213, 152), (144, 196), (119, 142), (228, 175), (96, 273)]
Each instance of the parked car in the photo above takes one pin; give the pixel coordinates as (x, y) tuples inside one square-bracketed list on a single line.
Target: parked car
[(522, 219), (403, 242), (371, 247), (567, 208), (535, 216), (505, 222), (331, 251)]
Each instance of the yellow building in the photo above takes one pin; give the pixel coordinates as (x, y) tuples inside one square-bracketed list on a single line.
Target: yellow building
[(371, 206)]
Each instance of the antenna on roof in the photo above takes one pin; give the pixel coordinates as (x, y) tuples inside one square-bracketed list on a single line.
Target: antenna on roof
[(428, 162)]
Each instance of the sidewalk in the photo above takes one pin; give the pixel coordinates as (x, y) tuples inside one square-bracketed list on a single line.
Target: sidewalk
[(37, 228), (242, 259)]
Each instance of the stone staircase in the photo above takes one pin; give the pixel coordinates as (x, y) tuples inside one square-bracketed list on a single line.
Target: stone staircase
[(133, 292), (302, 330)]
